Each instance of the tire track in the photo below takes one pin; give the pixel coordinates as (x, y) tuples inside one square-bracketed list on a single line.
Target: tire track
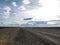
[(45, 36)]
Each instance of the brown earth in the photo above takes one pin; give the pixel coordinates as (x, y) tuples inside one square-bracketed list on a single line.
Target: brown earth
[(30, 36)]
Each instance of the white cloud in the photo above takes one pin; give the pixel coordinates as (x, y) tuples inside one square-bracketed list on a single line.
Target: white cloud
[(22, 8), (26, 1), (6, 12), (48, 11), (39, 3), (14, 4)]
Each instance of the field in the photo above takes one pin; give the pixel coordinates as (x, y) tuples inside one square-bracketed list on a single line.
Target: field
[(30, 36)]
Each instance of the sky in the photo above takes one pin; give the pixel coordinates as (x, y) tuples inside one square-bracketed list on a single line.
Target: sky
[(17, 10)]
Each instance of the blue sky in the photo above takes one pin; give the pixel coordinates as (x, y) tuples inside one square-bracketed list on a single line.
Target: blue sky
[(13, 9), (12, 6), (17, 10)]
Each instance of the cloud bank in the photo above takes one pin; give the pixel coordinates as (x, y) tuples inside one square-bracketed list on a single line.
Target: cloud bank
[(48, 11), (38, 10)]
